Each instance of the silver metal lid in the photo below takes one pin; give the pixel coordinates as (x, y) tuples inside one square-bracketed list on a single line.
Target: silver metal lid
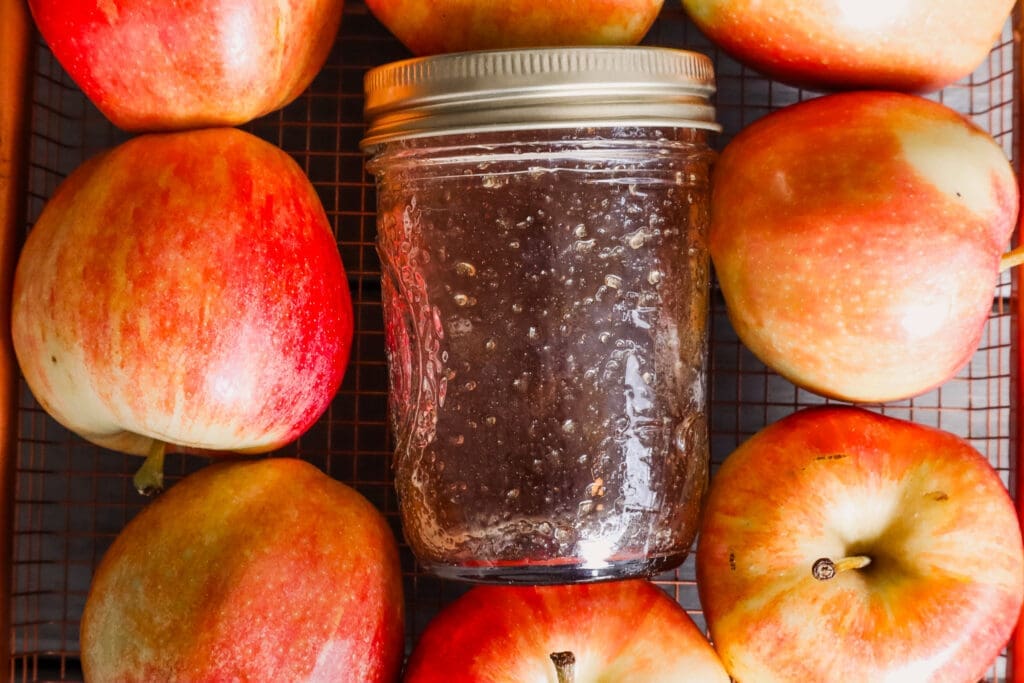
[(558, 87)]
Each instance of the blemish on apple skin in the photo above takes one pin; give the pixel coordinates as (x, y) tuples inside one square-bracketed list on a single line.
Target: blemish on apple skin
[(732, 561), (53, 359), (834, 456), (937, 496)]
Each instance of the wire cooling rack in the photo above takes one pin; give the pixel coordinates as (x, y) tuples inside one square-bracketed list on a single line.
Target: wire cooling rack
[(70, 498)]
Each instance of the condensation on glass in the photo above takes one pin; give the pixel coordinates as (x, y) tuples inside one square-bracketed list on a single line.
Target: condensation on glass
[(541, 220)]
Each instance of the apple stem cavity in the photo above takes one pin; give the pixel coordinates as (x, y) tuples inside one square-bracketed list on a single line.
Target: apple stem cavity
[(149, 479), (825, 569), (1011, 259), (565, 666)]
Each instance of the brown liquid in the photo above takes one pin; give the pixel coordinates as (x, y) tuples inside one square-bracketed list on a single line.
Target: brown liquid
[(546, 315)]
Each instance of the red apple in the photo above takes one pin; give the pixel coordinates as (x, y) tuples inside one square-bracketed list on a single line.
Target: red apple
[(184, 288), (842, 545), (623, 631), (857, 239), (190, 63), (264, 570), (909, 45), (440, 26)]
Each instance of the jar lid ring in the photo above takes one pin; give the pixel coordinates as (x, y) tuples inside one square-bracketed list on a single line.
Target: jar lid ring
[(538, 88)]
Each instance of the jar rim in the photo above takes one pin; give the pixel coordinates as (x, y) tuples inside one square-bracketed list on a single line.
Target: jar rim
[(560, 87)]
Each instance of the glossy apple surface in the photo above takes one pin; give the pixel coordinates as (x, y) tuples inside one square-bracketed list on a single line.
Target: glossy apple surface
[(907, 45), (623, 631), (183, 288), (191, 63), (442, 26), (943, 587), (265, 570), (857, 239)]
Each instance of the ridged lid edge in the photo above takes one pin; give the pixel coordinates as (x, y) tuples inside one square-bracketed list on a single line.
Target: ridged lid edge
[(414, 96)]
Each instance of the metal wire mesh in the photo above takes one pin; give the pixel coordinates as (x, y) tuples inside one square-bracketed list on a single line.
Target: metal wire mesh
[(73, 498)]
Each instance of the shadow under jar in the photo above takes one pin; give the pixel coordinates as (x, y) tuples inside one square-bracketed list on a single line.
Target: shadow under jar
[(541, 219)]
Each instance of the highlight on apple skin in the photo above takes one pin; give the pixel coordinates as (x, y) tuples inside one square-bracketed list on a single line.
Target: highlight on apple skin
[(858, 240), (841, 544), (913, 46)]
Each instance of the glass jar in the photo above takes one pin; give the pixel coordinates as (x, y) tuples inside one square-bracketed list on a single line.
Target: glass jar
[(541, 220)]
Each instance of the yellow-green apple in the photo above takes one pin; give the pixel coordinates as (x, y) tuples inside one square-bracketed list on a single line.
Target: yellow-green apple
[(183, 289), (191, 63), (624, 631), (843, 545), (908, 45), (858, 240), (441, 26), (264, 570)]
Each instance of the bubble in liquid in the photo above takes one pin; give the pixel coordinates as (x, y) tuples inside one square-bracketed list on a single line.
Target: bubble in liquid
[(491, 420), (636, 239), (532, 333), (469, 386), (654, 277), (490, 345), (512, 494), (457, 440), (461, 299), (465, 269), (459, 326), (521, 384), (584, 246), (580, 231), (568, 426), (517, 308), (613, 281)]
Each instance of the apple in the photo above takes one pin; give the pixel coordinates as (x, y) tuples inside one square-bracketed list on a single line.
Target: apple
[(839, 545), (183, 290), (263, 570), (441, 26), (858, 239), (625, 631), (192, 63), (907, 45)]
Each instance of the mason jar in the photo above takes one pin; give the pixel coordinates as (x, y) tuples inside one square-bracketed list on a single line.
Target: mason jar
[(541, 218)]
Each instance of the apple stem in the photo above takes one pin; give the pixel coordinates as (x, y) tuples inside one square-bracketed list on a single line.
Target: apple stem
[(825, 569), (1011, 259), (149, 478), (565, 666)]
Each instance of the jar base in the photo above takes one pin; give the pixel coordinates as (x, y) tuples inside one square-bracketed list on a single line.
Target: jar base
[(527, 573)]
